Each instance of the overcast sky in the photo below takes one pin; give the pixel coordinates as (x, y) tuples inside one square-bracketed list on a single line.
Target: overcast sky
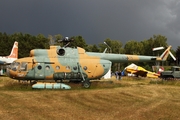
[(94, 20)]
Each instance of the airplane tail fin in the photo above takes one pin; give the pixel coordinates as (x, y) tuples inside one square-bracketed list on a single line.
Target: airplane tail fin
[(14, 51), (165, 54)]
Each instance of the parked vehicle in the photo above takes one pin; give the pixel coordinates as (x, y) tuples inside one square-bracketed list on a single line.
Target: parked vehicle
[(174, 73)]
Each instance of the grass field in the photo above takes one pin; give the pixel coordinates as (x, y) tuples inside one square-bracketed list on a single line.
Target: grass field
[(128, 99)]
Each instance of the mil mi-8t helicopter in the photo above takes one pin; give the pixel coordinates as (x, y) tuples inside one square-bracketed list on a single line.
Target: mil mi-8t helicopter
[(74, 64)]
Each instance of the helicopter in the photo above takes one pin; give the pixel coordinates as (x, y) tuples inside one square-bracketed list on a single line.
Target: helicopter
[(73, 64)]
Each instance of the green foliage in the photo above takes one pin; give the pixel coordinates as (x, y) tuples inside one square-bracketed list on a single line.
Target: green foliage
[(113, 46), (26, 42), (147, 67), (133, 47), (145, 48), (78, 41), (155, 41), (92, 48)]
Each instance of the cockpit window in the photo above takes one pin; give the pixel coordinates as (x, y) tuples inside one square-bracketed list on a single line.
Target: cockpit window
[(23, 66), (14, 66)]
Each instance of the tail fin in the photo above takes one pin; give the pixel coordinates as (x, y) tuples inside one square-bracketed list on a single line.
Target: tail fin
[(14, 51), (165, 54)]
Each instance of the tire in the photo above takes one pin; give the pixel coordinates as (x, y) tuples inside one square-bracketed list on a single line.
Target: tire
[(86, 84)]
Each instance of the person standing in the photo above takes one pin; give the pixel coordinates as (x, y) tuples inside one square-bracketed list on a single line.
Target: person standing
[(119, 75)]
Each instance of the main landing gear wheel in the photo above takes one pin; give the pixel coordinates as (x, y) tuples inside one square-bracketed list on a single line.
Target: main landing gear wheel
[(86, 84)]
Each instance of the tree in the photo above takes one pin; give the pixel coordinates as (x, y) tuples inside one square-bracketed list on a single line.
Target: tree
[(54, 40), (155, 41), (51, 40), (133, 47), (92, 48), (178, 55), (78, 41), (114, 46)]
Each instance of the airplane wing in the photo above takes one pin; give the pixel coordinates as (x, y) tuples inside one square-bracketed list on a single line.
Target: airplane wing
[(137, 72), (140, 71)]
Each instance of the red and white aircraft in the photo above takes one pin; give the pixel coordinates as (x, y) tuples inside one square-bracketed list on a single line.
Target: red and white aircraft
[(13, 56)]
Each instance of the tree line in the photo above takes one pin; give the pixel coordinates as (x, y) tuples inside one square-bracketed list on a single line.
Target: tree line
[(28, 42)]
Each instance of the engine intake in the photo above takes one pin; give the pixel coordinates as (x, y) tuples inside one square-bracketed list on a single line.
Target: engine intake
[(61, 52)]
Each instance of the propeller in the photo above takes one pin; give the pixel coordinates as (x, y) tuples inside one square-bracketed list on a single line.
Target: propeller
[(172, 56)]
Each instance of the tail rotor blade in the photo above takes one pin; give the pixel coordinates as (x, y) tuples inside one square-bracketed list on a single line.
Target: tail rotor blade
[(172, 56)]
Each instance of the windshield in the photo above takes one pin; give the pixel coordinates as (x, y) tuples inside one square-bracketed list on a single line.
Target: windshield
[(21, 66), (14, 66)]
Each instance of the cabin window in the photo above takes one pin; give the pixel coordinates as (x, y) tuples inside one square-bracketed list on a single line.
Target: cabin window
[(39, 67), (23, 66), (177, 69), (57, 67), (75, 68), (67, 67), (14, 66), (47, 67)]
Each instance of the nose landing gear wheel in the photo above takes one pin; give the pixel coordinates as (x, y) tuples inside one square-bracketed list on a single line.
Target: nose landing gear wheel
[(86, 84)]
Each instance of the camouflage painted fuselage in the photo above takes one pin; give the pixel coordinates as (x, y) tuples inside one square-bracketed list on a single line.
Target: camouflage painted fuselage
[(59, 63), (72, 64)]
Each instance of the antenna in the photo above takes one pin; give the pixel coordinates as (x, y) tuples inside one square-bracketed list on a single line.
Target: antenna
[(105, 50)]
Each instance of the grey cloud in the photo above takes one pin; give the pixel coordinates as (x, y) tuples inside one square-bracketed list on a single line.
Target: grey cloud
[(95, 20)]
